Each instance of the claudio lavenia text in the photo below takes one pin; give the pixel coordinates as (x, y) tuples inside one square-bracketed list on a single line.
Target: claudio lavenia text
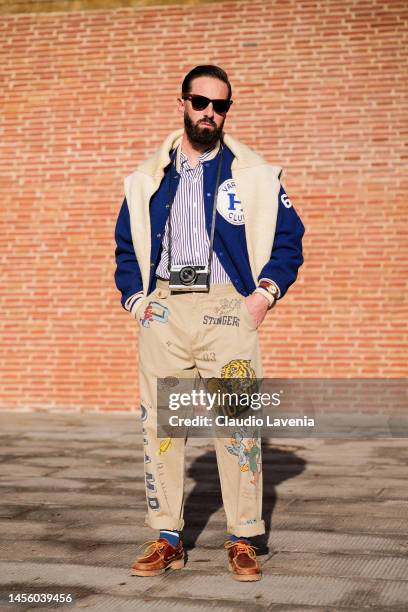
[(249, 421)]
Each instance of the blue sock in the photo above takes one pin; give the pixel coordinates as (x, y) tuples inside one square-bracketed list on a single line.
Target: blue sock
[(173, 537), (234, 538)]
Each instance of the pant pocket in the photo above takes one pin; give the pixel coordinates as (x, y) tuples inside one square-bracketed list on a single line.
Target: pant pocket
[(245, 314)]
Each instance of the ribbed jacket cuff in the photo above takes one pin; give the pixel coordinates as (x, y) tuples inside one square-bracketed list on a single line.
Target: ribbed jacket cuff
[(133, 302)]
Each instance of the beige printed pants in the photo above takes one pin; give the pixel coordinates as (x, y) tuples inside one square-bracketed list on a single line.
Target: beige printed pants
[(198, 335)]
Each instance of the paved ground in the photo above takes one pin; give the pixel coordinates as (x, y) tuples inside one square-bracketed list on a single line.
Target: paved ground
[(73, 506)]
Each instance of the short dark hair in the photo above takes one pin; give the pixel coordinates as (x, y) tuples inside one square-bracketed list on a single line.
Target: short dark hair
[(206, 70)]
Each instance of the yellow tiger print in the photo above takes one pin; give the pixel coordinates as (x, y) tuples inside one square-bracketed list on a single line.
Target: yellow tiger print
[(238, 368)]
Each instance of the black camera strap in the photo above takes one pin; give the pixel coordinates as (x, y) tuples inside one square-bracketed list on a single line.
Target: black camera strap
[(214, 210)]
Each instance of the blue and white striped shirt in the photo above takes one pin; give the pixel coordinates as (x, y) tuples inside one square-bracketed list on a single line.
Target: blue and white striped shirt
[(189, 239)]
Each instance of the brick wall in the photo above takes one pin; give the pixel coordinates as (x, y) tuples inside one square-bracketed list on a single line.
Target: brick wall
[(319, 88)]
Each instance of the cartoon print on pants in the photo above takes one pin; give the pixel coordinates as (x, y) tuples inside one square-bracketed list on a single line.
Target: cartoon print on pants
[(253, 452), (150, 481), (164, 446), (143, 417), (249, 457), (154, 312), (238, 368), (237, 377), (238, 448)]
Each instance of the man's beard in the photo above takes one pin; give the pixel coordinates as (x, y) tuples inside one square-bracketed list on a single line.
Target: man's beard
[(202, 136)]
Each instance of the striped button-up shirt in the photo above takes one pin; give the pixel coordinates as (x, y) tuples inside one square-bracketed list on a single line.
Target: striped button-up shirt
[(189, 239)]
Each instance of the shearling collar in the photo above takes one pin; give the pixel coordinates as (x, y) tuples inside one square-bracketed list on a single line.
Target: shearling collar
[(244, 157)]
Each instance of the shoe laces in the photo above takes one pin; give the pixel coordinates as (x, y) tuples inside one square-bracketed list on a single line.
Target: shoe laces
[(151, 547), (242, 547)]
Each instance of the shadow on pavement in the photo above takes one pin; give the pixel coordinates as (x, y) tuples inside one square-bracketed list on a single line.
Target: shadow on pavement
[(279, 464)]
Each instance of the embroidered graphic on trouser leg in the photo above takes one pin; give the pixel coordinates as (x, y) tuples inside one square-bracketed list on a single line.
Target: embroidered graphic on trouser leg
[(150, 483), (253, 452), (237, 377), (154, 312), (238, 449), (164, 446), (225, 313), (249, 454)]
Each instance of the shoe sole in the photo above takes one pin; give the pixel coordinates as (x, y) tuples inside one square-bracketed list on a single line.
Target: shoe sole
[(244, 577), (176, 565)]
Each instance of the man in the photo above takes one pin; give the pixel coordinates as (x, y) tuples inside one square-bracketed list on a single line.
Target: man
[(203, 199)]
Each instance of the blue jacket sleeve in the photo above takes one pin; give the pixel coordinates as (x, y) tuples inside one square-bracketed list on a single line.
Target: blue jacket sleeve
[(128, 278), (286, 257)]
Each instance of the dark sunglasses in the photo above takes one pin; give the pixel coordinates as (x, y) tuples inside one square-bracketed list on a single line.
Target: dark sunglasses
[(199, 103)]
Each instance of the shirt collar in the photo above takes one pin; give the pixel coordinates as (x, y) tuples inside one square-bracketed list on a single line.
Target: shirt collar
[(181, 158)]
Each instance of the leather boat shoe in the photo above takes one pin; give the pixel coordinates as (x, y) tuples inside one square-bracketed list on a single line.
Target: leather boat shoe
[(158, 556), (242, 561)]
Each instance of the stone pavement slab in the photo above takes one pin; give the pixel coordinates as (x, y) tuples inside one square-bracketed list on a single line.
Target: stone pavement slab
[(73, 504)]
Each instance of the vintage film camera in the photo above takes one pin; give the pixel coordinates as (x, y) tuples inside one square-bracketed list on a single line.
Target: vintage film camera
[(189, 278)]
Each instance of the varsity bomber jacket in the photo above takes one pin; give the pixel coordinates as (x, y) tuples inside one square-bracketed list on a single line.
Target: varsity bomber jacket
[(258, 233)]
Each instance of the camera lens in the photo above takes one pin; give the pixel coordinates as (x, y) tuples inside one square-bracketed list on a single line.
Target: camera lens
[(188, 275)]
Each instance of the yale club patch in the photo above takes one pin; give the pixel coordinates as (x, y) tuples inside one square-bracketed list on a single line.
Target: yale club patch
[(228, 204)]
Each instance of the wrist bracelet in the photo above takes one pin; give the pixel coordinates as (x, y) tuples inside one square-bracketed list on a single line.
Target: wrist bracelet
[(270, 286), (271, 299)]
